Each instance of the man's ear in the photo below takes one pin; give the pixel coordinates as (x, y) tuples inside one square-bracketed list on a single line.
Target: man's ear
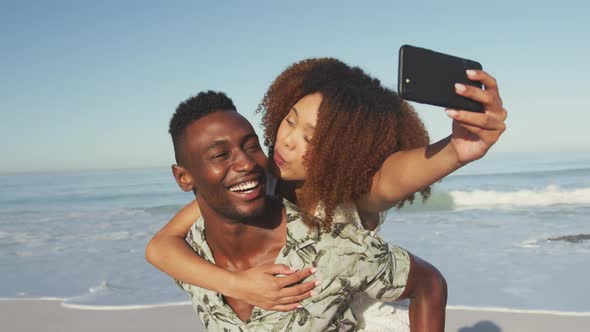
[(183, 178)]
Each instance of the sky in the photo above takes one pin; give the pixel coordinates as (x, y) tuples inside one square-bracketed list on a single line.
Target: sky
[(93, 84)]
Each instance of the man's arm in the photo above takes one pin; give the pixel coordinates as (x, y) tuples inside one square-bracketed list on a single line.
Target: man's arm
[(427, 290), (390, 273)]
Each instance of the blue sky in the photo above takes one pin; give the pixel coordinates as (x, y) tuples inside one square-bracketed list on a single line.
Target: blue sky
[(87, 85)]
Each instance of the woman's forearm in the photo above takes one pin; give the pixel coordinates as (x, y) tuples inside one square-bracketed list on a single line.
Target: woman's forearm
[(415, 169), (173, 256), (169, 252), (406, 172), (258, 286)]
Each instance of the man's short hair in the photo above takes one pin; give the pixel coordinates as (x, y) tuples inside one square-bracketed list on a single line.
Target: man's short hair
[(194, 108)]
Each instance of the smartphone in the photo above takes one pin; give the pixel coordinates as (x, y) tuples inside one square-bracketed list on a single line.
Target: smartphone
[(429, 77)]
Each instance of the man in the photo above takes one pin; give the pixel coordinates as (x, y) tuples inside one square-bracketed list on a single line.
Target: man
[(220, 159)]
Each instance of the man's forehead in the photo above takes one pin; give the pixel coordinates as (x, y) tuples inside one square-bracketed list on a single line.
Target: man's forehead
[(222, 125)]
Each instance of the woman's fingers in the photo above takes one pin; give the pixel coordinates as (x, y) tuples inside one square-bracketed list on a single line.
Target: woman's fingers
[(488, 137), (279, 269), (485, 121), (486, 79), (295, 277), (298, 290), (296, 299), (285, 307), (489, 98), (289, 298)]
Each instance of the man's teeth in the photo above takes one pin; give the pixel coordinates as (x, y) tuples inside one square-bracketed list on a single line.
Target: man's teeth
[(244, 186)]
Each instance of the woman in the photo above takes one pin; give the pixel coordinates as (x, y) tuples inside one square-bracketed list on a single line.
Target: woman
[(345, 148)]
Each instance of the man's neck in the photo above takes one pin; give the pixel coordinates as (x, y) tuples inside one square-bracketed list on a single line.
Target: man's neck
[(241, 244), (238, 245)]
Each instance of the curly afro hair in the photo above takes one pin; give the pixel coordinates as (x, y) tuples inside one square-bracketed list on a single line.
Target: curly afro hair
[(194, 108), (360, 123)]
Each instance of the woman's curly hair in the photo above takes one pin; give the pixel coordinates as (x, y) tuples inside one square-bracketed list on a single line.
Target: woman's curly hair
[(360, 123)]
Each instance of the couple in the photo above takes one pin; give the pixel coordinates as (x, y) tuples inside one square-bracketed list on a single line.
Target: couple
[(367, 152)]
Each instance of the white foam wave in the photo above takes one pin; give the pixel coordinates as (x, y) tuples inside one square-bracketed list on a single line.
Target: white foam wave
[(105, 287), (24, 253), (26, 238), (129, 212), (529, 244), (123, 307), (6, 299), (183, 303), (97, 307), (550, 195), (105, 292)]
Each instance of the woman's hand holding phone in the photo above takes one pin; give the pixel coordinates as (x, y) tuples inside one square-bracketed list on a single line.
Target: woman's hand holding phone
[(475, 133)]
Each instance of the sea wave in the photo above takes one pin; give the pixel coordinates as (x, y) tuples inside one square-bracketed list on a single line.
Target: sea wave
[(580, 240), (64, 303), (582, 171), (162, 209), (108, 296), (550, 195), (98, 293), (438, 201), (31, 239), (123, 307), (473, 199)]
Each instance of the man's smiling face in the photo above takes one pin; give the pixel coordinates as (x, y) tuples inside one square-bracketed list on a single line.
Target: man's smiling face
[(227, 164)]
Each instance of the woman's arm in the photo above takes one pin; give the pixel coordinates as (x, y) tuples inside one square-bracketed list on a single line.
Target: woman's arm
[(170, 253), (406, 172)]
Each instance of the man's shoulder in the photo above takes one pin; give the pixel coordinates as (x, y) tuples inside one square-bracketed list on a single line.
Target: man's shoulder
[(344, 233), (196, 232), (349, 235), (197, 241)]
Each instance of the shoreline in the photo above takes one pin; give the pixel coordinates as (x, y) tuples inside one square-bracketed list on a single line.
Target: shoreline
[(91, 307), (50, 314)]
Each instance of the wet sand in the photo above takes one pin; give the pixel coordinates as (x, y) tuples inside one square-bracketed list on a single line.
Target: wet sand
[(50, 315)]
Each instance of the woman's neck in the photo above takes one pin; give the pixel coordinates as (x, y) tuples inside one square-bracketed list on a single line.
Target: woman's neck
[(293, 191), (290, 190)]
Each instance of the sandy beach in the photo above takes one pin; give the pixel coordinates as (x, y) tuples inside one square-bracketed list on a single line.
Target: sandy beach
[(50, 315), (506, 320)]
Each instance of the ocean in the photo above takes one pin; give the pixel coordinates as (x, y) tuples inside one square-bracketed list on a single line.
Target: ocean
[(508, 231)]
